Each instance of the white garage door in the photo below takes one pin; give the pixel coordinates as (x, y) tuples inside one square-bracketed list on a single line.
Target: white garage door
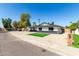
[(44, 28), (55, 29)]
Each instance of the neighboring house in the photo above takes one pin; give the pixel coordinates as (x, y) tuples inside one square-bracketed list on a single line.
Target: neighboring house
[(47, 27), (77, 31)]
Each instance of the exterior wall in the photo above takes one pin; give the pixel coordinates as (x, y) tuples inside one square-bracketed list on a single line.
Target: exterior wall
[(45, 29), (59, 30), (55, 29), (37, 29), (77, 31)]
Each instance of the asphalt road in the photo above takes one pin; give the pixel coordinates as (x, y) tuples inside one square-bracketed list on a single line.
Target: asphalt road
[(12, 46)]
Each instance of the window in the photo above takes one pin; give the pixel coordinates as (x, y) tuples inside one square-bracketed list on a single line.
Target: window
[(40, 29), (50, 28)]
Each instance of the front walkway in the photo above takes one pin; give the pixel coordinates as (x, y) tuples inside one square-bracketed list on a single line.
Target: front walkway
[(53, 42)]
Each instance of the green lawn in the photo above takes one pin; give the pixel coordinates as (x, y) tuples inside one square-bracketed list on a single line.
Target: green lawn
[(39, 34), (76, 40)]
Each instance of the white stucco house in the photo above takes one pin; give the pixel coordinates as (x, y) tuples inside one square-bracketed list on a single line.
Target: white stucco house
[(47, 27)]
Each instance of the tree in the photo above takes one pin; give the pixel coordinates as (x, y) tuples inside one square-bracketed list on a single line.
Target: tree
[(7, 23), (34, 24), (28, 23), (25, 21), (78, 23), (73, 26), (15, 25), (19, 24)]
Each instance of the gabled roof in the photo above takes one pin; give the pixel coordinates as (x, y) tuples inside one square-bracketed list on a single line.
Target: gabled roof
[(44, 24)]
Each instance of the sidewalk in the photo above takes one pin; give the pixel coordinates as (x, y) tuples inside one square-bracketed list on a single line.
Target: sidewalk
[(53, 42)]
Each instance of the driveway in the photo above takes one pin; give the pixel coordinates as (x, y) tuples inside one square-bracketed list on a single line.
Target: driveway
[(12, 46), (56, 43)]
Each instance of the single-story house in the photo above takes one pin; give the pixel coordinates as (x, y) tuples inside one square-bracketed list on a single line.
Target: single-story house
[(47, 27)]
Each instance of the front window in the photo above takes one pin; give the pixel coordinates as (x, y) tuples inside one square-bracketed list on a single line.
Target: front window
[(50, 28), (40, 29)]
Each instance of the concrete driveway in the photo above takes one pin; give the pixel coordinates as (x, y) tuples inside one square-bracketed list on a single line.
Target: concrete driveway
[(12, 46), (55, 43)]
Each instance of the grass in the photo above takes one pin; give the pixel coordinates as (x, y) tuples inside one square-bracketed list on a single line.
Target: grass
[(76, 40), (39, 34)]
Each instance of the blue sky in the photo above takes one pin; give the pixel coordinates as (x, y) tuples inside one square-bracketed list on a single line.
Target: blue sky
[(60, 13)]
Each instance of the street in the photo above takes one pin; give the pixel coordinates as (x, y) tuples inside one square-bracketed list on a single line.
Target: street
[(12, 46)]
